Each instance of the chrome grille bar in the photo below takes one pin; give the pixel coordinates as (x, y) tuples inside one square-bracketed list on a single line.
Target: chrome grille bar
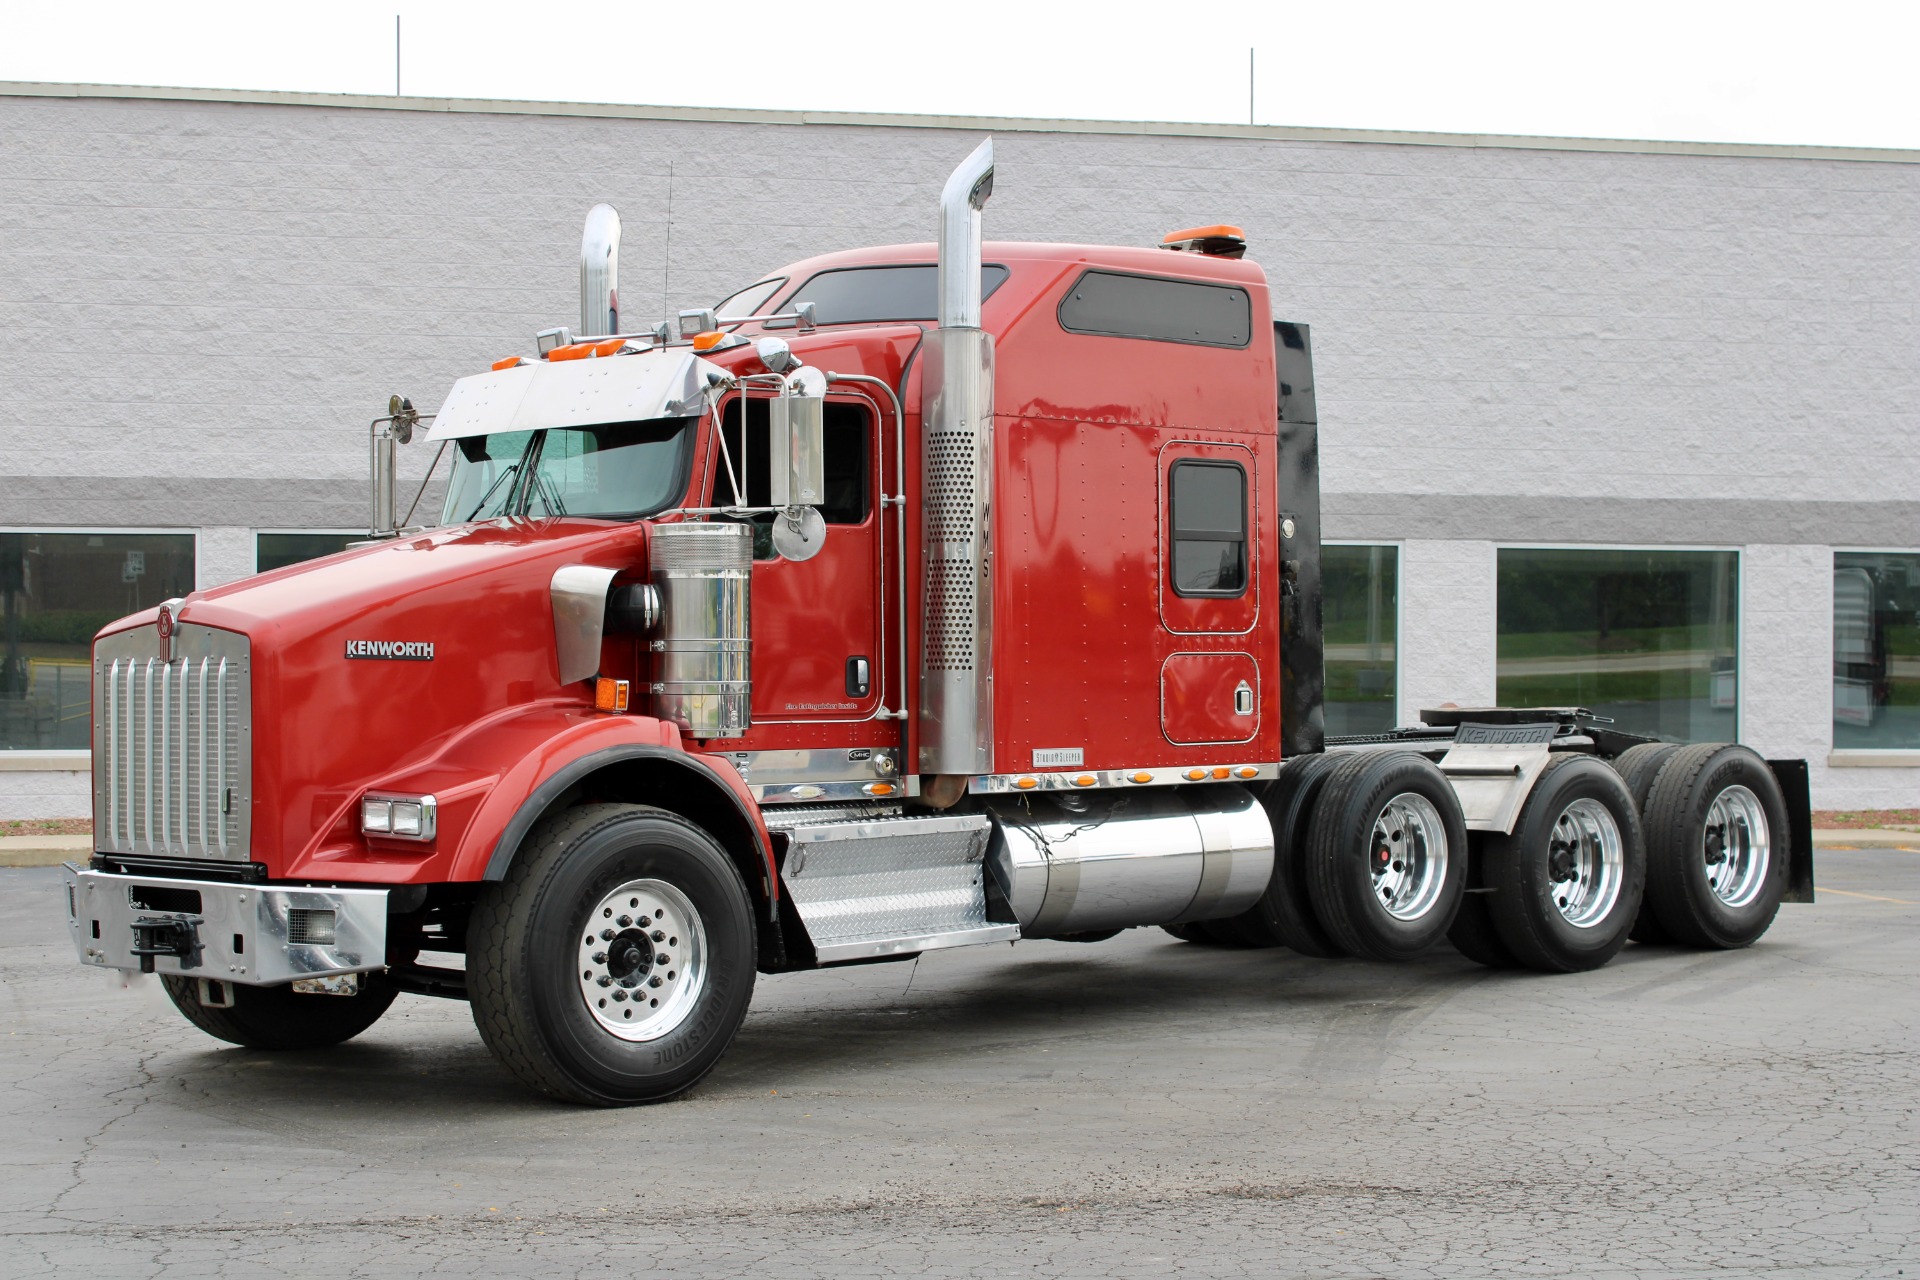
[(172, 767)]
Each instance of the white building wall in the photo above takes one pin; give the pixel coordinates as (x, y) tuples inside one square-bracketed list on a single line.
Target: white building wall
[(210, 295)]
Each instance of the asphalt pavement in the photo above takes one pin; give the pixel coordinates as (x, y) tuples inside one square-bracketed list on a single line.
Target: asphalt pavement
[(1136, 1107)]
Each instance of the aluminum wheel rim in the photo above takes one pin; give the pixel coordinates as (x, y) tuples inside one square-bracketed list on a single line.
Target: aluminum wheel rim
[(1408, 856), (1735, 847), (642, 960), (1585, 863)]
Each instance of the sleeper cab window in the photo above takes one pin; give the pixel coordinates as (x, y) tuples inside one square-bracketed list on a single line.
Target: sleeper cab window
[(1112, 305), (1207, 515)]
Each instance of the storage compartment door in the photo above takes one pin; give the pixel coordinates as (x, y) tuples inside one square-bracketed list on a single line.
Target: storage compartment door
[(1210, 698)]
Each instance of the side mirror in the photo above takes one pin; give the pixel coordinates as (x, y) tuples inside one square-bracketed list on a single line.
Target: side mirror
[(797, 431)]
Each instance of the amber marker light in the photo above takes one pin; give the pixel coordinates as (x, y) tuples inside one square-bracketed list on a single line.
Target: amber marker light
[(878, 788), (610, 695), (1223, 772), (508, 363), (1195, 775), (707, 341), (1026, 784), (1142, 776), (1247, 771), (1085, 780)]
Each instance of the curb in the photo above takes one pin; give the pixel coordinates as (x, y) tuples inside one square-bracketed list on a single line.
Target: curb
[(44, 851)]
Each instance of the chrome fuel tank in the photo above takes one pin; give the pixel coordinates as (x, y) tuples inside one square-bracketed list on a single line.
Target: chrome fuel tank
[(1071, 863), (703, 669)]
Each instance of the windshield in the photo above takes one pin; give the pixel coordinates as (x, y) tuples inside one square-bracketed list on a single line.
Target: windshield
[(748, 301), (620, 471)]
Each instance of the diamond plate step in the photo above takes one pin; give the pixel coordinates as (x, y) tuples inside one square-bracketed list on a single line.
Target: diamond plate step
[(891, 886)]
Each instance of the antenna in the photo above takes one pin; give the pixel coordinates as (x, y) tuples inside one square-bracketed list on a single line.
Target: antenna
[(396, 55), (1249, 85)]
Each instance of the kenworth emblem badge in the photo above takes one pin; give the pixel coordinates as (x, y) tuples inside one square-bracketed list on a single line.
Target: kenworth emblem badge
[(166, 624), (407, 650)]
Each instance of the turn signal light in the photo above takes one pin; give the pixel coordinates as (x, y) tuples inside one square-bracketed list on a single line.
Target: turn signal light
[(610, 695)]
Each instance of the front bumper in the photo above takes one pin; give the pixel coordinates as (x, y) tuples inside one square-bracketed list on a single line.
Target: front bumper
[(252, 934)]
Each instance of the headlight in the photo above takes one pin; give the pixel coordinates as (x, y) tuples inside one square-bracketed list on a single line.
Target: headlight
[(398, 817)]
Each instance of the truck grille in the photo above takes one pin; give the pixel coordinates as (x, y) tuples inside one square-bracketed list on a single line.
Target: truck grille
[(172, 750)]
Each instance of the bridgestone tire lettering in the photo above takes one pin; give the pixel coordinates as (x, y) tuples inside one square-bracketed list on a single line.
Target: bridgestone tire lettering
[(522, 941)]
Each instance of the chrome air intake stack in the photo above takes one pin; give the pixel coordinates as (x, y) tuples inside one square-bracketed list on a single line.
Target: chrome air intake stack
[(703, 666), (956, 460), (600, 273)]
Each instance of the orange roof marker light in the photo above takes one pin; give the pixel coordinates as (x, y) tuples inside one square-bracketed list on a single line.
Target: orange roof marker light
[(588, 350), (1215, 242), (509, 363)]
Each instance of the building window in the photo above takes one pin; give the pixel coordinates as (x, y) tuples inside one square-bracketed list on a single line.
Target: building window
[(1650, 638), (1876, 651), (1209, 522), (278, 550), (1361, 589), (56, 591)]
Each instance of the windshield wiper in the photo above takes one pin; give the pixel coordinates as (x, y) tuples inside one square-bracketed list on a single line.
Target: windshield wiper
[(504, 476), (549, 493)]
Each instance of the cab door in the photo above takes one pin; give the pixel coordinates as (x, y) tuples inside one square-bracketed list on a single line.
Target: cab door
[(816, 624)]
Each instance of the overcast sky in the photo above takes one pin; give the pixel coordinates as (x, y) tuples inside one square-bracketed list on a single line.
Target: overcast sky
[(1840, 72)]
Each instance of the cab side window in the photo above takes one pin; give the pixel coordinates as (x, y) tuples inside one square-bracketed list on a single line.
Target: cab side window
[(1207, 515), (848, 439)]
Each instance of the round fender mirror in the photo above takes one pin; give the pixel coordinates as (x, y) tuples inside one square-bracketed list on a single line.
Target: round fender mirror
[(799, 533)]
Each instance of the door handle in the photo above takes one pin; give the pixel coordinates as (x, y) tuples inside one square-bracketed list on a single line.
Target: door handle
[(859, 678)]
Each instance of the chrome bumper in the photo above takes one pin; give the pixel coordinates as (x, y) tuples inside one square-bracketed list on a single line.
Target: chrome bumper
[(253, 934)]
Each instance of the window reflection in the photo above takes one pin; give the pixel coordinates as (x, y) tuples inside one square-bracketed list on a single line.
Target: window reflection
[(1876, 650), (1649, 638), (1360, 621)]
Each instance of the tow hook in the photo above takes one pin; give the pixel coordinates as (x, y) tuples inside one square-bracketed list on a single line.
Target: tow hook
[(173, 935)]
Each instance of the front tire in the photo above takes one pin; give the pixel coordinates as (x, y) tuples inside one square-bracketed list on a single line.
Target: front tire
[(1386, 855), (280, 1018), (1567, 883), (615, 962)]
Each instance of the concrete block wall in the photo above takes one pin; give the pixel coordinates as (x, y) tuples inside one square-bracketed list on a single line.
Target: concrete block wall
[(210, 295)]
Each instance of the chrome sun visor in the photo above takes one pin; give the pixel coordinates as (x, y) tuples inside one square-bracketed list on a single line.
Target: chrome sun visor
[(576, 393)]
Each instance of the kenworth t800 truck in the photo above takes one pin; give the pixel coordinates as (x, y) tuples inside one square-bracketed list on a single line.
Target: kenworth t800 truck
[(913, 597)]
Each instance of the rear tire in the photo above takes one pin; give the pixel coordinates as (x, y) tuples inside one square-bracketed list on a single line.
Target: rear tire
[(1386, 855), (1568, 881), (1718, 846), (1284, 915), (615, 962), (1638, 766), (280, 1018)]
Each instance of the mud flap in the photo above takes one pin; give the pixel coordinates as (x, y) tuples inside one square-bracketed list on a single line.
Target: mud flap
[(1792, 777)]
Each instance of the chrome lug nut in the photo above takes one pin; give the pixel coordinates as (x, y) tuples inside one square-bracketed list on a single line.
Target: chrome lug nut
[(606, 935), (599, 957), (654, 981), (658, 936)]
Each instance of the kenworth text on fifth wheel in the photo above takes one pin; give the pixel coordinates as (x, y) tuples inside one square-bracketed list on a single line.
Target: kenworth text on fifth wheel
[(912, 597)]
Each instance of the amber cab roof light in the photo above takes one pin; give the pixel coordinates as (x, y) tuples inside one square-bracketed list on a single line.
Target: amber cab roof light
[(1215, 242)]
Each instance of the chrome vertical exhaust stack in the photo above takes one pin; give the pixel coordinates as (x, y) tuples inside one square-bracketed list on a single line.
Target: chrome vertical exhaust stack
[(600, 273), (956, 422)]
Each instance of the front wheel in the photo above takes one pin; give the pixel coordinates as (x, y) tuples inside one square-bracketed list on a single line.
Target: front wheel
[(615, 962), (280, 1017)]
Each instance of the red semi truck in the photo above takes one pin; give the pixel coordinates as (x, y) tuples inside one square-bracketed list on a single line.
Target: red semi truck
[(911, 598)]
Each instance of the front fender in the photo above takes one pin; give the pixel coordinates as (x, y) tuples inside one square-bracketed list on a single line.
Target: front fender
[(495, 782)]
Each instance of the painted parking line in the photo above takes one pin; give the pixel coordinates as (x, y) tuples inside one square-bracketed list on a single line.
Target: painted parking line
[(1870, 897)]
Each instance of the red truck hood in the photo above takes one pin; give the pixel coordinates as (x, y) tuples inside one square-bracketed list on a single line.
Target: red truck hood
[(345, 694)]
